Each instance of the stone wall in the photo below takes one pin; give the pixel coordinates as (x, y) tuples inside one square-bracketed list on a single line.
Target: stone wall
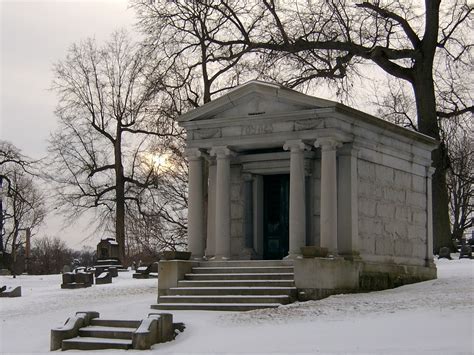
[(392, 214)]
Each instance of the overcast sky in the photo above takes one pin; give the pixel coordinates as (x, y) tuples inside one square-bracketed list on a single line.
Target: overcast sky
[(33, 35)]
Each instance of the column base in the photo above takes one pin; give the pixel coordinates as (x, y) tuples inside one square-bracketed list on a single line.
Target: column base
[(293, 256), (220, 258)]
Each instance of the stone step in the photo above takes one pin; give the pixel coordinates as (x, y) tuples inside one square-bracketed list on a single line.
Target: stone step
[(240, 263), (214, 306), (227, 291), (282, 299), (243, 276), (107, 332), (89, 343), (115, 323), (235, 283), (241, 269)]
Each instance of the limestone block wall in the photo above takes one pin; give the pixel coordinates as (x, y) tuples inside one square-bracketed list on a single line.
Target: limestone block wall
[(392, 214), (237, 239)]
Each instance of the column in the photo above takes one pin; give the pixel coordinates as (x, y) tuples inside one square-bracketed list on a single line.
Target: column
[(328, 213), (347, 203), (222, 231), (297, 217), (248, 211), (195, 204), (429, 217), (211, 211)]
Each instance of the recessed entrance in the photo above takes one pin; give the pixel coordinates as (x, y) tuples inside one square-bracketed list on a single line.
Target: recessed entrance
[(275, 216)]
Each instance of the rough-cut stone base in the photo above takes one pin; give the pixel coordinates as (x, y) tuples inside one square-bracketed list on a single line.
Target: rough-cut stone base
[(376, 276), (317, 278)]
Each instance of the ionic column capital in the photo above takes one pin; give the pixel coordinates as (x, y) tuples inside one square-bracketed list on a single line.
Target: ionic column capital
[(194, 153), (247, 177), (327, 143), (430, 171), (296, 145), (221, 152)]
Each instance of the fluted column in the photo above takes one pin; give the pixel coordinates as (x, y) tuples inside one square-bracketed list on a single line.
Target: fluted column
[(195, 204), (222, 231), (328, 213), (297, 215), (211, 211)]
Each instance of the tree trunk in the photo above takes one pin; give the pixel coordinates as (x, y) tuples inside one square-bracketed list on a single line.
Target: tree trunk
[(119, 195), (428, 124)]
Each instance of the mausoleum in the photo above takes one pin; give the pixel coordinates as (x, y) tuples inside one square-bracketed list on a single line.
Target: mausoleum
[(272, 170)]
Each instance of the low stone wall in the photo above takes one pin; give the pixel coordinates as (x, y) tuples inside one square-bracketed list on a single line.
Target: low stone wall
[(317, 278), (170, 271)]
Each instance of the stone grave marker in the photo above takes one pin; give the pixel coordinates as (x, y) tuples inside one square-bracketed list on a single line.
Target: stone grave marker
[(466, 252), (445, 253)]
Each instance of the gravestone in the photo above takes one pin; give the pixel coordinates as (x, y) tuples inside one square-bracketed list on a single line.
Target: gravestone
[(103, 278), (466, 252), (145, 272), (9, 291), (445, 253), (78, 280), (66, 268)]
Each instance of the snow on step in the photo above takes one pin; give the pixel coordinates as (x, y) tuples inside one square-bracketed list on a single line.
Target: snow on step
[(216, 306), (92, 343), (108, 329)]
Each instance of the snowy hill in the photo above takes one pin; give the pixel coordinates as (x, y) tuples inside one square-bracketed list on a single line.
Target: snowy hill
[(433, 317)]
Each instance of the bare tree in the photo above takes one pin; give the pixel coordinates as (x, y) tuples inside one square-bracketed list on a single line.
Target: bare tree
[(461, 183), (111, 111), (22, 205), (24, 211), (332, 39), (180, 32), (49, 255)]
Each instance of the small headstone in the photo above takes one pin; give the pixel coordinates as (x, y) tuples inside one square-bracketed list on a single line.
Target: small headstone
[(466, 252), (68, 278), (11, 292), (66, 268), (444, 252), (104, 278), (113, 271), (85, 278)]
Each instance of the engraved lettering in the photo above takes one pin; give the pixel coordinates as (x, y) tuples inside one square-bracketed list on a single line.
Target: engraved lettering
[(251, 130)]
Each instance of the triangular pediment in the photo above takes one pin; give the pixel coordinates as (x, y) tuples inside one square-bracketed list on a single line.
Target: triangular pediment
[(256, 98)]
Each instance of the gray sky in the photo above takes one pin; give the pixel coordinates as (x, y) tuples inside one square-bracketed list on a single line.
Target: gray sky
[(33, 35)]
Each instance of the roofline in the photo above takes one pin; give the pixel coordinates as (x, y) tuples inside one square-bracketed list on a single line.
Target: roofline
[(228, 100), (363, 116)]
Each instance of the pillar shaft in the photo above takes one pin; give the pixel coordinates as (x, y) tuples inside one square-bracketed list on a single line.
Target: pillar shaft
[(328, 213), (297, 214), (429, 217), (195, 204), (211, 212), (222, 231)]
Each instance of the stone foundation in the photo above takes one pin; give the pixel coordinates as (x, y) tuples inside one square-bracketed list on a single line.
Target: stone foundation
[(317, 278)]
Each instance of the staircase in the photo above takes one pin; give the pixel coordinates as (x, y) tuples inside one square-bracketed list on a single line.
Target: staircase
[(232, 286), (86, 331), (103, 334)]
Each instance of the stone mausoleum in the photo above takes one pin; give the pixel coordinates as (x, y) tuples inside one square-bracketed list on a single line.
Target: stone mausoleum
[(272, 170)]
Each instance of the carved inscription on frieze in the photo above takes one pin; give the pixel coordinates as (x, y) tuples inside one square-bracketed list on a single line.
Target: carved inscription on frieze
[(312, 123), (207, 133), (255, 129)]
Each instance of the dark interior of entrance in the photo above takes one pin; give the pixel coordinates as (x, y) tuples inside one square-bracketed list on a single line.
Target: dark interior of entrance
[(275, 216)]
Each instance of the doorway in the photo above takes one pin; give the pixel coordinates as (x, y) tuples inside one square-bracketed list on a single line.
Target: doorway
[(275, 216)]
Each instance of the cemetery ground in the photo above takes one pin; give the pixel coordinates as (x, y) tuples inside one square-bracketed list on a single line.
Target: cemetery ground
[(432, 317)]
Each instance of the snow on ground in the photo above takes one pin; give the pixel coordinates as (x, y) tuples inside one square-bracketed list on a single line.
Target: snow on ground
[(433, 317)]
